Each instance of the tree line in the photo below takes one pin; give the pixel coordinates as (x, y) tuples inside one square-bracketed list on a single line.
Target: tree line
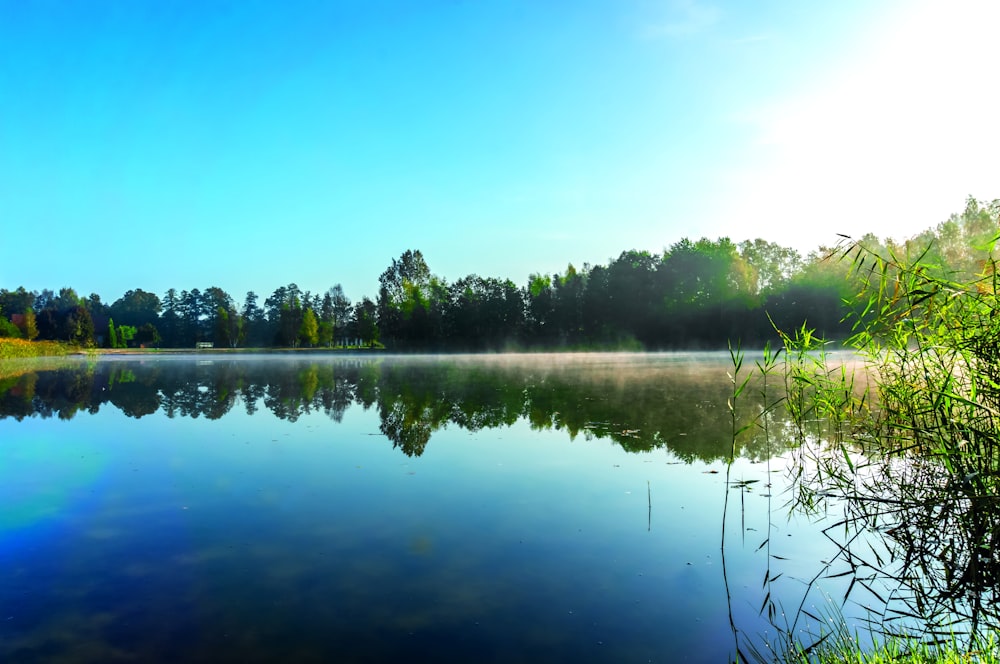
[(696, 294)]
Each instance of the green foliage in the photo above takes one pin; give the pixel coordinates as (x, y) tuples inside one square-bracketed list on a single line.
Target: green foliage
[(958, 247), (309, 329), (17, 300), (914, 454), (147, 335), (284, 314), (936, 344), (365, 321), (538, 284), (8, 330), (325, 333), (120, 336), (403, 299), (841, 648), (112, 334), (136, 308), (410, 271), (126, 333), (771, 265), (254, 329), (703, 272), (78, 326), (226, 327), (336, 309), (28, 325)]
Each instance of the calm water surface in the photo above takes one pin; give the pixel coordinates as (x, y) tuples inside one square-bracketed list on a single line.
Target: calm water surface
[(509, 509)]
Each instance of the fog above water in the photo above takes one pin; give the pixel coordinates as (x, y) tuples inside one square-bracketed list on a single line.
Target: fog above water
[(600, 480), (639, 401)]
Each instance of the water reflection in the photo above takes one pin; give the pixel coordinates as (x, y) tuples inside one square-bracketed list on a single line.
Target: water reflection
[(917, 538), (641, 403), (250, 510), (257, 535)]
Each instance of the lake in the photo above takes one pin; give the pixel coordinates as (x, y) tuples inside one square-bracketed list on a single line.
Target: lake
[(367, 508)]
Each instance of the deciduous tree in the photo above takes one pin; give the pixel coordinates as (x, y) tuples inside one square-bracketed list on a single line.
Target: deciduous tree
[(309, 329), (28, 325)]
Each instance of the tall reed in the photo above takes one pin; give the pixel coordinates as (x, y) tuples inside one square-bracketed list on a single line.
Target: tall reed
[(915, 460)]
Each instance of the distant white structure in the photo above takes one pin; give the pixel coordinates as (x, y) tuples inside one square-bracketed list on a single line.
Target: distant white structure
[(204, 344)]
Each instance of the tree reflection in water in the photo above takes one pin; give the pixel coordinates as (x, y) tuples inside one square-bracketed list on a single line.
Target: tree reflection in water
[(933, 565), (673, 404)]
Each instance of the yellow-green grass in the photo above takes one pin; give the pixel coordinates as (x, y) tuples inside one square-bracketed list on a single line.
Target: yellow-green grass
[(901, 650), (19, 348)]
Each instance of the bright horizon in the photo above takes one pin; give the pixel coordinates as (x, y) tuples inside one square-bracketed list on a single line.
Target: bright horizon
[(245, 145)]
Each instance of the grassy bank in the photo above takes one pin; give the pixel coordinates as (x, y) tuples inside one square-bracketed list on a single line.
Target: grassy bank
[(898, 650), (19, 349), (18, 357)]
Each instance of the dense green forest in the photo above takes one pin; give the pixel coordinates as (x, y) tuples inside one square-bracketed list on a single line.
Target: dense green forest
[(696, 294)]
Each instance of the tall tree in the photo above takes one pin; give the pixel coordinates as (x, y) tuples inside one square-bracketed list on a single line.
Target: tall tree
[(7, 328), (634, 295), (410, 301), (43, 299), (540, 309), (170, 320), (112, 341), (365, 321), (284, 313), (403, 299), (191, 317), (28, 326), (597, 319), (254, 322), (61, 318), (568, 291), (309, 328), (960, 245), (339, 309), (704, 272), (16, 301), (99, 312), (485, 313), (147, 336), (409, 268), (224, 319), (136, 308), (771, 264), (221, 335), (78, 326)]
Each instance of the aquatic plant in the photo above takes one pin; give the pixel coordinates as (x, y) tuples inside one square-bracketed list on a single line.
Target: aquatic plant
[(915, 462)]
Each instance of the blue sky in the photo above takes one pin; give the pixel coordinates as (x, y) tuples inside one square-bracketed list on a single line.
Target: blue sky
[(250, 144)]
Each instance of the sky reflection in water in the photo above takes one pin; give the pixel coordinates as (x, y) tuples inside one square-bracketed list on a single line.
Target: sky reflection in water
[(287, 535)]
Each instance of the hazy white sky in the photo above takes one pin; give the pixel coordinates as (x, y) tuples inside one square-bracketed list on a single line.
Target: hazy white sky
[(249, 144), (889, 138)]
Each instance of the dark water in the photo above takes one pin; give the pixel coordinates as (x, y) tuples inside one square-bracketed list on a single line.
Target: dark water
[(357, 509)]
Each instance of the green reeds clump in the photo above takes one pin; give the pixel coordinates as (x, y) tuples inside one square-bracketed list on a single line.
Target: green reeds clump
[(919, 462)]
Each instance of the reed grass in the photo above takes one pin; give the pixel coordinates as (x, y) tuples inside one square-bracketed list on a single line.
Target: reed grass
[(913, 460)]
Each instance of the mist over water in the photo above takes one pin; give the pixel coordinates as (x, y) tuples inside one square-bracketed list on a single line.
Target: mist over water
[(366, 508)]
